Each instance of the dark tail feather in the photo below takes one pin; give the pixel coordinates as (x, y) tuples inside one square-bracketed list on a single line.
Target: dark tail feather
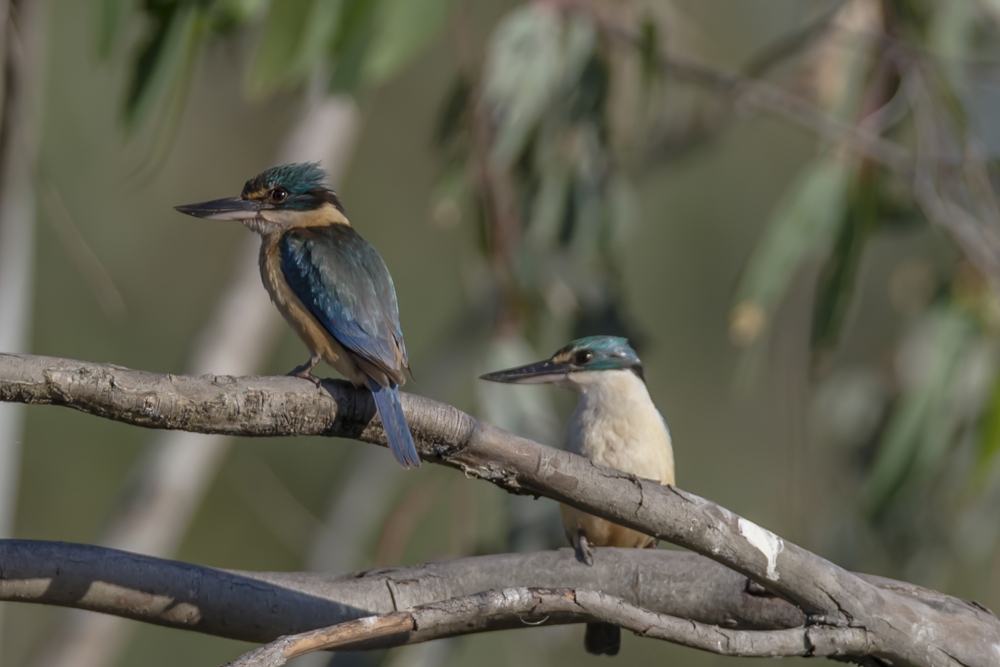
[(602, 639), (396, 430)]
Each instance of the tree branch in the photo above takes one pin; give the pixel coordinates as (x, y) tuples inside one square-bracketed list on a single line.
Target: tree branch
[(510, 608), (261, 606), (901, 628)]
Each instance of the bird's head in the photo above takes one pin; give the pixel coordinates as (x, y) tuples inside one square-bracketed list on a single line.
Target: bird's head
[(284, 197), (579, 359)]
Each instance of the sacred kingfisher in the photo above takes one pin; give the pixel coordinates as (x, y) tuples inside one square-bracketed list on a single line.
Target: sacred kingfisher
[(615, 424), (329, 283)]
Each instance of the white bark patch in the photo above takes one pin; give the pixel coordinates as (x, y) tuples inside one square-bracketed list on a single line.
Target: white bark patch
[(765, 542)]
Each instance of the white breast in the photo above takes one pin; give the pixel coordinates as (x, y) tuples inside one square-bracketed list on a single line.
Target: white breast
[(617, 425)]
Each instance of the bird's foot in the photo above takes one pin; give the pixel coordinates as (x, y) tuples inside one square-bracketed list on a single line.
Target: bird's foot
[(305, 371), (584, 549)]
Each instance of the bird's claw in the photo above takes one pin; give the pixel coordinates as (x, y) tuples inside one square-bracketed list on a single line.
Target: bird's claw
[(305, 374), (305, 371), (584, 549)]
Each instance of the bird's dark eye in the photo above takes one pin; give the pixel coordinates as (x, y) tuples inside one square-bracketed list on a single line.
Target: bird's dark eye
[(582, 357), (279, 195)]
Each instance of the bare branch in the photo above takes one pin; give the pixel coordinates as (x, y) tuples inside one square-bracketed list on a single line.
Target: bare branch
[(901, 628), (509, 608), (261, 606)]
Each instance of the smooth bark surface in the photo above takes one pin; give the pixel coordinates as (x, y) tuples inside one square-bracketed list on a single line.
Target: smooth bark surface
[(900, 627)]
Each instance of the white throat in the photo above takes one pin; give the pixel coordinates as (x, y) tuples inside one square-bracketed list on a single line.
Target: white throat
[(612, 388)]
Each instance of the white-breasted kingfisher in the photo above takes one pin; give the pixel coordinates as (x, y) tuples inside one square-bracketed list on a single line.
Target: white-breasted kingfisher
[(616, 425), (329, 283)]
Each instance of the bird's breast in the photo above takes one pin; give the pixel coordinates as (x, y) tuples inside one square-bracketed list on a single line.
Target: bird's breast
[(309, 329), (617, 425)]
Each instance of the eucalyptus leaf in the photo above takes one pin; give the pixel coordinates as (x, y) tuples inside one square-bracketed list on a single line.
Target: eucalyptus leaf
[(924, 419), (406, 26), (112, 17), (241, 11), (839, 274), (296, 38), (989, 432), (534, 57), (454, 113), (803, 224), (649, 50), (350, 47), (162, 59)]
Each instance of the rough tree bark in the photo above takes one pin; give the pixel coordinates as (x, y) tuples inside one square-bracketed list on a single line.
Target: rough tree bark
[(901, 628)]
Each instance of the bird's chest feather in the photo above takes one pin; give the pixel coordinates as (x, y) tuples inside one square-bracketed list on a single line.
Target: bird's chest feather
[(616, 424)]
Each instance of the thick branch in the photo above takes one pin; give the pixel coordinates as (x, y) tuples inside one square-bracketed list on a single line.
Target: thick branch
[(261, 606), (902, 629), (510, 608)]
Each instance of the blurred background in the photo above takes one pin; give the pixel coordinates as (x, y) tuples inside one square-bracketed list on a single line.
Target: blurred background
[(788, 206)]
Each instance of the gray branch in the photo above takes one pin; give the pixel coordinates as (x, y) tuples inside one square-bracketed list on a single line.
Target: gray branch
[(261, 606), (511, 608), (901, 628)]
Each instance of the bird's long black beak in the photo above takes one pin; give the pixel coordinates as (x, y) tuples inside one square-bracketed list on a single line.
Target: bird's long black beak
[(231, 208), (541, 372)]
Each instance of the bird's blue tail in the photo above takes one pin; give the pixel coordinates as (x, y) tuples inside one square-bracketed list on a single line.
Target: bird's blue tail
[(394, 423)]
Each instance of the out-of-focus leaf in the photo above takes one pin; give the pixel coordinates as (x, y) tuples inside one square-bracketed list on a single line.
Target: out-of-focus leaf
[(842, 69), (405, 26), (588, 97), (451, 194), (534, 57), (803, 223), (112, 16), (454, 112), (924, 419), (548, 209), (161, 64), (838, 276), (623, 211), (241, 11), (175, 95), (230, 15), (351, 47), (989, 432), (649, 50), (587, 193), (950, 30), (296, 37)]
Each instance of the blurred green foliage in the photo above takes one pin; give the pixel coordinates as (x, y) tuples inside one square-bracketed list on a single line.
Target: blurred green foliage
[(532, 174)]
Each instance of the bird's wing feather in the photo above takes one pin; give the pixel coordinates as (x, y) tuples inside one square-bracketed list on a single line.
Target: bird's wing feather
[(346, 286)]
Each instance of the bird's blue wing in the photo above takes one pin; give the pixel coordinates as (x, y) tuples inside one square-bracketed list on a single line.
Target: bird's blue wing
[(344, 283), (665, 424)]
